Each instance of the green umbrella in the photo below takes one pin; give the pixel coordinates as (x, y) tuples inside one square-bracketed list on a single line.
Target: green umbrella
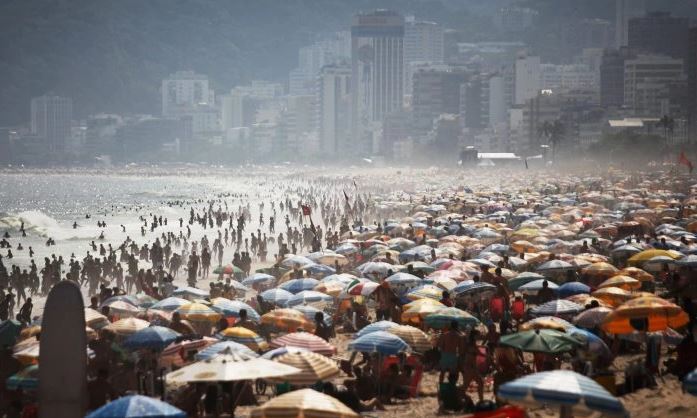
[(442, 318), (523, 279), (228, 269), (547, 341)]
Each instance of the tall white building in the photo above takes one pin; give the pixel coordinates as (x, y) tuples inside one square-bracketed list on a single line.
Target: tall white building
[(311, 59), (51, 119), (423, 43), (568, 77), (183, 91), (625, 10), (334, 105), (527, 78), (497, 101), (377, 64)]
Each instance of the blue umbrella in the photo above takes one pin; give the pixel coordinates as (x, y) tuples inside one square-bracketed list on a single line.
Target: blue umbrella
[(308, 296), (569, 390), (277, 296), (403, 282), (258, 278), (137, 406), (152, 337), (379, 342), (215, 349), (310, 311), (591, 342), (231, 308), (376, 326), (572, 288), (298, 285), (689, 383), (471, 288), (556, 308), (320, 270), (535, 286)]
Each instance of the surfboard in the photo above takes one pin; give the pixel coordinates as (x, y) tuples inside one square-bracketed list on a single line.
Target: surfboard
[(62, 354)]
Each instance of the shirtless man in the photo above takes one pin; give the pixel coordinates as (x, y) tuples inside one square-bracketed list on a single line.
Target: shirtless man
[(470, 371), (449, 345)]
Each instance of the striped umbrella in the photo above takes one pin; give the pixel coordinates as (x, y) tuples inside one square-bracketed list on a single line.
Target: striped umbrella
[(170, 304), (229, 346), (591, 318), (277, 352), (417, 339), (25, 379), (376, 326), (154, 337), (332, 288), (573, 392), (689, 383), (130, 299), (177, 353), (198, 312), (361, 288), (278, 297), (426, 291), (245, 337), (416, 311), (122, 309), (308, 296), (556, 308), (137, 406), (258, 278), (313, 368), (298, 285), (127, 326), (287, 320), (442, 318), (613, 296), (548, 341), (305, 403), (231, 308), (305, 340), (381, 342)]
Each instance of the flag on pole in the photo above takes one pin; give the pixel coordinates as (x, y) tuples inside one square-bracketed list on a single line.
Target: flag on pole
[(682, 159), (307, 211)]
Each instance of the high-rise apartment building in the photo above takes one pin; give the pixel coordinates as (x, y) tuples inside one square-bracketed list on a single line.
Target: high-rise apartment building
[(334, 105), (612, 76), (625, 10), (527, 78), (423, 43), (659, 33), (51, 120), (183, 91), (691, 67), (436, 92), (654, 85)]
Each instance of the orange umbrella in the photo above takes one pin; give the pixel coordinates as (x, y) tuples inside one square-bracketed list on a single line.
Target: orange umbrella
[(623, 282), (287, 320), (614, 296), (601, 269), (636, 273), (646, 313)]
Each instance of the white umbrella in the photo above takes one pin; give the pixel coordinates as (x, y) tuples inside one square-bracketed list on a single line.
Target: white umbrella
[(228, 367)]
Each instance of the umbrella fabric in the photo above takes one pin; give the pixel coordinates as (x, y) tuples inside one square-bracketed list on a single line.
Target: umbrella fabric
[(636, 273), (277, 296), (358, 288), (554, 266), (623, 282), (94, 319), (122, 309), (523, 278), (402, 282), (563, 388), (190, 293), (546, 322), (535, 286), (198, 312), (305, 403), (649, 254), (25, 379), (127, 326), (425, 291), (556, 308), (276, 352), (540, 341), (292, 260), (313, 368), (137, 406), (298, 285), (591, 318), (379, 342), (417, 339), (644, 314), (231, 309), (689, 383), (305, 340), (231, 346), (376, 326), (243, 336), (229, 367), (572, 288), (287, 320), (442, 318), (688, 261), (170, 304), (154, 337), (257, 278), (613, 296), (177, 353), (473, 288), (601, 269), (308, 296), (419, 309)]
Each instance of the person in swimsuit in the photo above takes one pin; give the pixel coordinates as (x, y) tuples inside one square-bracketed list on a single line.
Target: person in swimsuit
[(449, 345)]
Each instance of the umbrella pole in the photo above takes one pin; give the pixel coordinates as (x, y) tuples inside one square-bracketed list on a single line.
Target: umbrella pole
[(565, 412)]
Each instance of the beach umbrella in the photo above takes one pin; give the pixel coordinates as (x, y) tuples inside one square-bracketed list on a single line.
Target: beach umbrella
[(278, 297), (292, 260), (305, 340), (548, 341), (127, 326), (177, 353), (613, 296), (556, 308), (573, 392), (416, 311), (358, 288), (636, 273), (332, 288), (554, 266), (346, 249), (122, 309), (276, 352), (689, 383), (9, 332), (308, 296), (546, 322), (330, 259), (226, 346), (419, 266), (228, 269), (443, 317), (229, 367), (190, 293), (591, 318), (472, 289), (590, 342), (623, 282), (375, 270), (231, 308), (425, 291), (298, 285), (443, 282), (319, 270), (381, 342), (313, 368), (376, 326), (601, 269), (258, 278), (25, 379), (197, 312), (287, 320), (245, 337), (305, 403), (644, 314), (688, 261), (145, 301), (572, 288), (137, 406), (154, 337), (310, 311), (402, 282), (523, 278), (418, 340), (536, 285), (93, 319), (647, 255), (170, 304)]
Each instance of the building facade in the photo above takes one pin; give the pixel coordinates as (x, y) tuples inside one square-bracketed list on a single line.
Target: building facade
[(654, 86), (183, 91), (51, 120)]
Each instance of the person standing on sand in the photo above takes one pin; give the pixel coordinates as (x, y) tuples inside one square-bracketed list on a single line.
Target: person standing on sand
[(449, 345)]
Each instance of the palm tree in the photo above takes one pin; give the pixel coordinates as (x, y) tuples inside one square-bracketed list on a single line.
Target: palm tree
[(554, 132)]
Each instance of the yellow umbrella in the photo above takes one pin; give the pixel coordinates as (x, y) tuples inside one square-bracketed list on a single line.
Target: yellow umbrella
[(416, 311), (313, 368), (331, 288), (244, 336), (198, 312), (418, 340), (127, 326), (522, 246), (637, 273), (646, 255), (303, 403), (646, 313), (601, 269), (287, 320), (623, 282), (426, 292), (612, 295)]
